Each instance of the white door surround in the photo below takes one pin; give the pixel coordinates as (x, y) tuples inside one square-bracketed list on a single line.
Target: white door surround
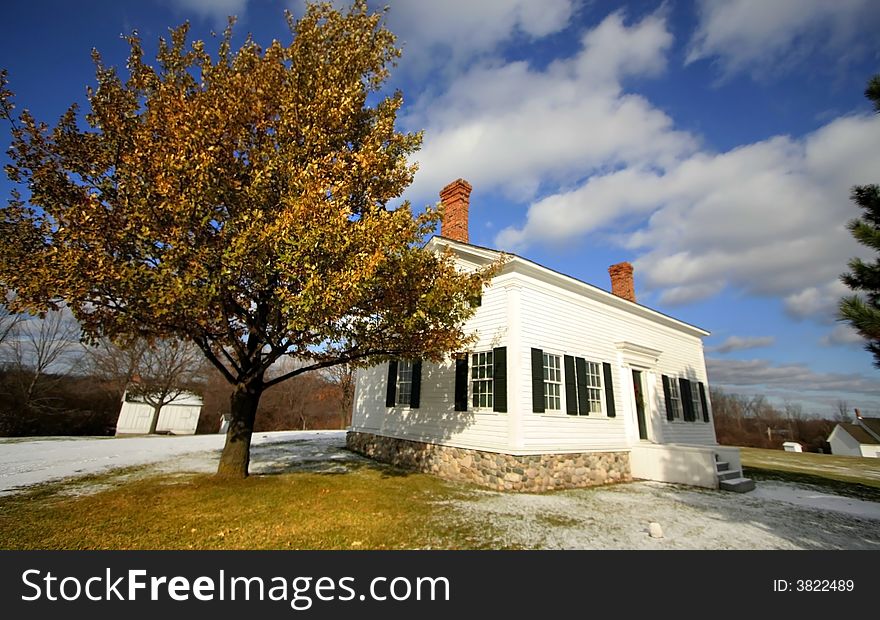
[(636, 360)]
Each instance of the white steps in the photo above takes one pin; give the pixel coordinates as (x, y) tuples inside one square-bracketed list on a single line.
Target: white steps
[(731, 479)]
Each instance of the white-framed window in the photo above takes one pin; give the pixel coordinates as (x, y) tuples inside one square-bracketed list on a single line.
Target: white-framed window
[(404, 381), (594, 387), (698, 403), (552, 382), (482, 383), (675, 399)]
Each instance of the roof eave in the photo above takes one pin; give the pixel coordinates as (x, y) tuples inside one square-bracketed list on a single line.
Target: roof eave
[(589, 290)]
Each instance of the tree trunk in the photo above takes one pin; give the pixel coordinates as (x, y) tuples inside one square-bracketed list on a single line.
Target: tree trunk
[(154, 421), (236, 454)]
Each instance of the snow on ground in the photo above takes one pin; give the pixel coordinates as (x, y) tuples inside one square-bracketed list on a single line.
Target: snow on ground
[(25, 463), (617, 517), (777, 515)]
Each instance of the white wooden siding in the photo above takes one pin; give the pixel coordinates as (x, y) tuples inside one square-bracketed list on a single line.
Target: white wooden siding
[(134, 419), (436, 420), (564, 323), (524, 309), (844, 444)]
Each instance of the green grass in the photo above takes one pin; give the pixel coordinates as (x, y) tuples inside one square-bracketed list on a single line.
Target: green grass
[(369, 507), (844, 475)]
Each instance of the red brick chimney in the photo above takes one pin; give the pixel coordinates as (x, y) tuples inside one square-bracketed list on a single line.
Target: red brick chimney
[(622, 281), (456, 198)]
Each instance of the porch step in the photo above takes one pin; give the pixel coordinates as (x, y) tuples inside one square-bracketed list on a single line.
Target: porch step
[(729, 475), (737, 485), (722, 466)]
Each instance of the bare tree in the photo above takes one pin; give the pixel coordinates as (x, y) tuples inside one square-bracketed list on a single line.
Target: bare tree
[(115, 364), (40, 347), (794, 412), (8, 322), (166, 369), (842, 411), (342, 377)]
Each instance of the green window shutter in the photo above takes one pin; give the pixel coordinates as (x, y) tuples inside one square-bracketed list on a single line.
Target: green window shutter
[(461, 382), (687, 401), (415, 397), (499, 379), (669, 413), (581, 372), (609, 389), (391, 388), (571, 407), (704, 403), (537, 380)]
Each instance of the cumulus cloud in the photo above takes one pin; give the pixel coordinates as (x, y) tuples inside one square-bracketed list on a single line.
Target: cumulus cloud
[(448, 34), (737, 343), (842, 335), (816, 302), (768, 218), (759, 36), (514, 127), (758, 374), (439, 38)]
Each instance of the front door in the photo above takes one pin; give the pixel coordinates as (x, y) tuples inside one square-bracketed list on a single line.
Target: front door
[(640, 404)]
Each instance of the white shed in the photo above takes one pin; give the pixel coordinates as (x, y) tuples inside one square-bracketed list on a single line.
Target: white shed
[(179, 417), (792, 446)]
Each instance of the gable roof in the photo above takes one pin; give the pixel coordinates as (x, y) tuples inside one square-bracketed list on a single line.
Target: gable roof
[(858, 433), (872, 425), (487, 255)]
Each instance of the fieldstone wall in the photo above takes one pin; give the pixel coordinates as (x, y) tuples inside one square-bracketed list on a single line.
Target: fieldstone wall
[(502, 472)]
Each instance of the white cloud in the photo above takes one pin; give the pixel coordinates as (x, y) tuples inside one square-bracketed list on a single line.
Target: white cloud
[(448, 34), (217, 10), (816, 302), (768, 218), (738, 343), (438, 38), (794, 378), (842, 335), (514, 127), (761, 36)]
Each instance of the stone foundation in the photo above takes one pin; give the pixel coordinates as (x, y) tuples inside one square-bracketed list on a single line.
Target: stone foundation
[(502, 472)]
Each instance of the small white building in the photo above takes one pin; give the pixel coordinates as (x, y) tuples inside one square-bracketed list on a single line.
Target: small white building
[(792, 446), (179, 417), (859, 439), (567, 385)]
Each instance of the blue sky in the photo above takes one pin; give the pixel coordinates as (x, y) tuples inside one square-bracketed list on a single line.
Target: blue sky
[(711, 144)]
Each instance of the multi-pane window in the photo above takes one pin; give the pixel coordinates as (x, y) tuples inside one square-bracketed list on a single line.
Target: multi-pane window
[(675, 399), (552, 382), (594, 387), (698, 403), (482, 386), (404, 382)]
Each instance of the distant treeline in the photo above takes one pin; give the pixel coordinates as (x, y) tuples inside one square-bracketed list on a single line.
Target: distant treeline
[(51, 384), (752, 421), (87, 405)]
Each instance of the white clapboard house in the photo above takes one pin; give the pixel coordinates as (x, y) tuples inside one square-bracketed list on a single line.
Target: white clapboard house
[(567, 385), (859, 439)]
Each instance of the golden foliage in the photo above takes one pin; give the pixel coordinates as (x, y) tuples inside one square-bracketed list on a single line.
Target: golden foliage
[(239, 202)]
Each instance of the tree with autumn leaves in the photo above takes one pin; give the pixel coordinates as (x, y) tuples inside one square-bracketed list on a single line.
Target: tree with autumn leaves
[(238, 202)]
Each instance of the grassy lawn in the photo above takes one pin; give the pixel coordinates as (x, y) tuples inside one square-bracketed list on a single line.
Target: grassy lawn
[(844, 475), (369, 507)]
